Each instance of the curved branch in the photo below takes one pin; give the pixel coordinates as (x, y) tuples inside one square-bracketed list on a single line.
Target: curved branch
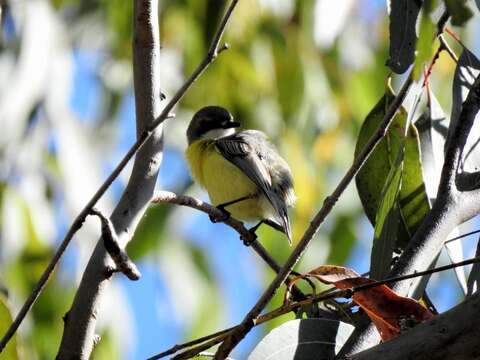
[(216, 213)]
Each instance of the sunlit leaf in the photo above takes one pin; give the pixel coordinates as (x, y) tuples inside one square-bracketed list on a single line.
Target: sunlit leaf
[(424, 48), (371, 178), (432, 130), (387, 222), (468, 68), (303, 339)]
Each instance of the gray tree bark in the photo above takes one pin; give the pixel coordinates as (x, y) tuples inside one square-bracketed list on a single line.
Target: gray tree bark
[(79, 334)]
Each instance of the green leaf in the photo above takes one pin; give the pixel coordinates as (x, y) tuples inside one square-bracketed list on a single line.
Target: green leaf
[(414, 203), (403, 18), (459, 11), (424, 44), (371, 178), (412, 200), (10, 352), (387, 222)]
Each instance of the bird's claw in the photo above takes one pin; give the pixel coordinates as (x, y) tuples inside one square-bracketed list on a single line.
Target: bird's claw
[(251, 239), (225, 215)]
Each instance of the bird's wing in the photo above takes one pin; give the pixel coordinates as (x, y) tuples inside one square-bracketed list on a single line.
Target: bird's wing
[(247, 150)]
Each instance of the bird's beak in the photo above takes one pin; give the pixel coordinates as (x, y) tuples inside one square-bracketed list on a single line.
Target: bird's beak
[(230, 124)]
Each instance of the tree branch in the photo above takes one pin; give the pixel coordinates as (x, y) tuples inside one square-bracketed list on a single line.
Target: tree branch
[(318, 220), (111, 244), (216, 213), (77, 341), (147, 131)]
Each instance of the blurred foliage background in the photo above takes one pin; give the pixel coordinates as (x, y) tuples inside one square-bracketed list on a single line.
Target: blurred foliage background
[(305, 72)]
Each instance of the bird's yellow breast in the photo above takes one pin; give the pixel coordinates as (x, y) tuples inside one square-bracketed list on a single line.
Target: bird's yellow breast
[(225, 182)]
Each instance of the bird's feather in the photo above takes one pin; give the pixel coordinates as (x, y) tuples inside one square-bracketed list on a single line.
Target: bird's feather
[(250, 151)]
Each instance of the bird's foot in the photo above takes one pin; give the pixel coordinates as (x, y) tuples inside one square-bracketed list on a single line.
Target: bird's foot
[(251, 238), (225, 215)]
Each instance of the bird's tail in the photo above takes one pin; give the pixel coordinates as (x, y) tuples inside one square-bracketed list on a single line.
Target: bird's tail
[(287, 228)]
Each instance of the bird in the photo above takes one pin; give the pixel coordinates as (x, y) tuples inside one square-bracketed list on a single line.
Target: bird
[(242, 171)]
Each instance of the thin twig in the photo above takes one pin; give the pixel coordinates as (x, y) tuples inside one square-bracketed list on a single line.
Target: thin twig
[(118, 255), (216, 213), (144, 136), (447, 47), (442, 22), (178, 347), (429, 69), (318, 220), (462, 236)]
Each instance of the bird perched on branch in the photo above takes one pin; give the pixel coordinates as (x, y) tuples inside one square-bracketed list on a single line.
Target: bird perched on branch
[(241, 171)]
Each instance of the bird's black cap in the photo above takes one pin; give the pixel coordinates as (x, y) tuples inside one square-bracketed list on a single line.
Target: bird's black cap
[(209, 118)]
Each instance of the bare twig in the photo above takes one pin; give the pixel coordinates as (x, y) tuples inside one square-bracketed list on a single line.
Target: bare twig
[(178, 347), (462, 236), (447, 48), (216, 213), (118, 255), (142, 139), (442, 21), (328, 204)]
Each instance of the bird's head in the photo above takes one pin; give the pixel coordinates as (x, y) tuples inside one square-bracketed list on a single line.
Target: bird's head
[(211, 122)]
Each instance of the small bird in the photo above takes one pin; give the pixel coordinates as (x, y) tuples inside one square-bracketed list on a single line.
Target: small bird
[(241, 171)]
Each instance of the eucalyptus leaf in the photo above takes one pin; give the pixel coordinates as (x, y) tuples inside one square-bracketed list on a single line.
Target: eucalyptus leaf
[(459, 11), (387, 222), (432, 129), (371, 179), (468, 68), (403, 19), (424, 48), (303, 340)]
